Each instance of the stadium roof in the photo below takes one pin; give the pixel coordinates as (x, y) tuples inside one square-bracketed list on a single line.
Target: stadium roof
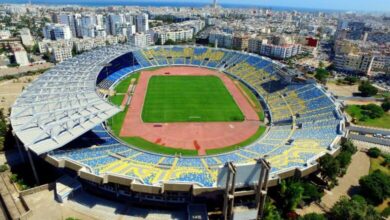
[(63, 103)]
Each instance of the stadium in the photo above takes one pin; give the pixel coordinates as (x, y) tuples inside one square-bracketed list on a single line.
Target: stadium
[(162, 124)]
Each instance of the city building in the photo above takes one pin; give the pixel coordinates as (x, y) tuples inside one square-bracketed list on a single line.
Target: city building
[(61, 53), (221, 39), (20, 55), (5, 34), (25, 36), (142, 22), (240, 42), (57, 32), (178, 32), (280, 51), (140, 39)]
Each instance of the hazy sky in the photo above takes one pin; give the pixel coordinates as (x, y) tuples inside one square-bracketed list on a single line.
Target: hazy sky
[(380, 5), (360, 5)]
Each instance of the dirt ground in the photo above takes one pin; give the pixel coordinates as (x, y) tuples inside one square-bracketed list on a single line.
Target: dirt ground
[(359, 167), (358, 102), (11, 89), (342, 90), (23, 69)]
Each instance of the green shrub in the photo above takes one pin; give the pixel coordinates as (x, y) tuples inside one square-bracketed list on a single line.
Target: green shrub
[(3, 168), (374, 152), (354, 208), (311, 192), (312, 216), (386, 161), (367, 89), (373, 111), (348, 146), (14, 178), (375, 186), (344, 159), (386, 212)]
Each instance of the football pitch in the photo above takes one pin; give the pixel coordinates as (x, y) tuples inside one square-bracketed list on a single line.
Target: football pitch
[(189, 99)]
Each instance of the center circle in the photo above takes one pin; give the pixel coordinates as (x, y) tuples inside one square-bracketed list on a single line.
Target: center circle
[(185, 110)]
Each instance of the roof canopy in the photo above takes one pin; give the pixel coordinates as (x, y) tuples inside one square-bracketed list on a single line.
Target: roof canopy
[(63, 103)]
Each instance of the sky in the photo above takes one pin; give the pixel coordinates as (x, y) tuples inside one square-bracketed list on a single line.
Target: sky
[(346, 5), (360, 5)]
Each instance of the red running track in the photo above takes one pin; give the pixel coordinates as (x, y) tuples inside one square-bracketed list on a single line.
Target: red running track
[(192, 135)]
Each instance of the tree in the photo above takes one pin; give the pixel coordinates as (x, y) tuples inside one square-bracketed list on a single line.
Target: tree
[(169, 42), (386, 105), (321, 75), (374, 152), (270, 212), (329, 167), (291, 193), (375, 186), (348, 146), (367, 90), (344, 159), (386, 161), (351, 80), (312, 216), (353, 208), (373, 111), (310, 193)]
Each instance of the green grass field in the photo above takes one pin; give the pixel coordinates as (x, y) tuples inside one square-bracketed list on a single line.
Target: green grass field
[(356, 112), (189, 99), (115, 123), (202, 85)]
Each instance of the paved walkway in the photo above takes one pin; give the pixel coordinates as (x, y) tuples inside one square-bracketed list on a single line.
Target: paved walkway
[(359, 167)]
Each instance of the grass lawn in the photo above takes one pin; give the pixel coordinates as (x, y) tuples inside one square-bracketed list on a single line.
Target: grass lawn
[(376, 164), (248, 141), (189, 99), (124, 84), (356, 112), (115, 123)]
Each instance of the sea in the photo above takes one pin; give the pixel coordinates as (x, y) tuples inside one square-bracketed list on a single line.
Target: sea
[(105, 3)]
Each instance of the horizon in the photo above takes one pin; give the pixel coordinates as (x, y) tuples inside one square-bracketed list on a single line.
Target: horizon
[(343, 5)]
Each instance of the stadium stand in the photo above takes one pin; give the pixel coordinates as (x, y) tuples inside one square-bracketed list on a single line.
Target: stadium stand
[(288, 144)]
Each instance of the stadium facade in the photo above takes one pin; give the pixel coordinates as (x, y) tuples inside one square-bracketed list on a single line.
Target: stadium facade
[(61, 116)]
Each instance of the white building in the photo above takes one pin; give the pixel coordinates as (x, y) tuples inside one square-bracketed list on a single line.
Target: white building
[(222, 39), (280, 51), (175, 35), (140, 39), (5, 34), (57, 32), (254, 44), (20, 55), (59, 54), (142, 23), (26, 37)]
